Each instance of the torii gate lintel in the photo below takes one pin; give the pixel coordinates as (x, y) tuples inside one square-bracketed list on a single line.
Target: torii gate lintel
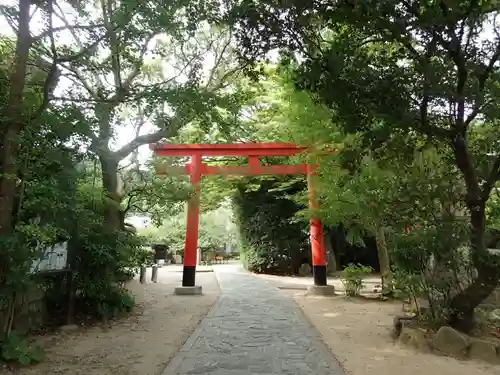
[(196, 169)]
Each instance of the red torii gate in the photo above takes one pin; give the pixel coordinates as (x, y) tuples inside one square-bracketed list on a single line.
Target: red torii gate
[(195, 169)]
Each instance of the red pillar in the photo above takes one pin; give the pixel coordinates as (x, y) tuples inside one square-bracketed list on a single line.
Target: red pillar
[(193, 212), (316, 235)]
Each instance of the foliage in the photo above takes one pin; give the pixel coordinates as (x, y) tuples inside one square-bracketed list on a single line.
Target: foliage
[(18, 349), (62, 125), (216, 230), (399, 70), (158, 197), (352, 278), (272, 240), (103, 258), (433, 263)]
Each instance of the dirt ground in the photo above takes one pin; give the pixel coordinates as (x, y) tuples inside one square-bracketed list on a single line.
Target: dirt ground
[(358, 334), (140, 344)]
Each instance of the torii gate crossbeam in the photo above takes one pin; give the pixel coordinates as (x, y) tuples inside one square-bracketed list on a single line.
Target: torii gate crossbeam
[(196, 169)]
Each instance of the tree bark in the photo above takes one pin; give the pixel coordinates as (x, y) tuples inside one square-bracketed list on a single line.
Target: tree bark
[(488, 275), (383, 258), (109, 166), (330, 252), (488, 271), (14, 121)]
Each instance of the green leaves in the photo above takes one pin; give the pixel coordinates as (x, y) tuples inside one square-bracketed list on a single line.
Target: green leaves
[(272, 241), (18, 349), (216, 229)]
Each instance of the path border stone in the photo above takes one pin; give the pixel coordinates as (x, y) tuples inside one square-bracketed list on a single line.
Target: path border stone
[(196, 290), (323, 348), (175, 362)]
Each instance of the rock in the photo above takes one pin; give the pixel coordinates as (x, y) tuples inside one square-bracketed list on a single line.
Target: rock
[(483, 350), (451, 342), (415, 337), (320, 290), (68, 328), (397, 324)]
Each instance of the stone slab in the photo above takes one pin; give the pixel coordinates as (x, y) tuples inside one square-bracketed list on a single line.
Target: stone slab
[(254, 329), (188, 290), (323, 290)]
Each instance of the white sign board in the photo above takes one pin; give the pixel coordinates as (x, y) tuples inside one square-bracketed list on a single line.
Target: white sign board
[(53, 258)]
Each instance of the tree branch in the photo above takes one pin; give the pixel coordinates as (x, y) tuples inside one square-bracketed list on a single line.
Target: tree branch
[(218, 59), (17, 77), (482, 79), (52, 77), (126, 84), (47, 33), (144, 139), (81, 45), (114, 44), (493, 177)]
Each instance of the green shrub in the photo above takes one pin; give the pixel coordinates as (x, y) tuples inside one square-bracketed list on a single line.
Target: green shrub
[(106, 259), (432, 265), (352, 278), (19, 349), (271, 238)]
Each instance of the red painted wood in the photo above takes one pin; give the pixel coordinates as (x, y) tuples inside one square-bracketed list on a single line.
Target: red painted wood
[(235, 170), (193, 214), (255, 170), (316, 228), (196, 169), (227, 149)]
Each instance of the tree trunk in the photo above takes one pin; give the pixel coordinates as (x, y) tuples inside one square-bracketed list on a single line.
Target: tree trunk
[(8, 179), (383, 258), (110, 184), (488, 274), (330, 253), (488, 271), (14, 121)]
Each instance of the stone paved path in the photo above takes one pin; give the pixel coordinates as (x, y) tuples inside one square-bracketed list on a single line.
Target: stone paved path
[(255, 330)]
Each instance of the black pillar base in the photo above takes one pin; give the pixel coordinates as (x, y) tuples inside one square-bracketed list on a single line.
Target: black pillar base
[(188, 275), (319, 275)]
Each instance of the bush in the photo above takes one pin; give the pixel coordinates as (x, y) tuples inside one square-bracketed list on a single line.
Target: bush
[(271, 240), (18, 349), (104, 301), (432, 263), (352, 278), (105, 259)]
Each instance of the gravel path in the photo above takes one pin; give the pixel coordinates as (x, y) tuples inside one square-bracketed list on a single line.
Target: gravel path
[(255, 329)]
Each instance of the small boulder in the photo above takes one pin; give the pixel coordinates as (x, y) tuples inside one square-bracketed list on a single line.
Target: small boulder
[(483, 350), (397, 324), (450, 342), (68, 328), (415, 337)]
